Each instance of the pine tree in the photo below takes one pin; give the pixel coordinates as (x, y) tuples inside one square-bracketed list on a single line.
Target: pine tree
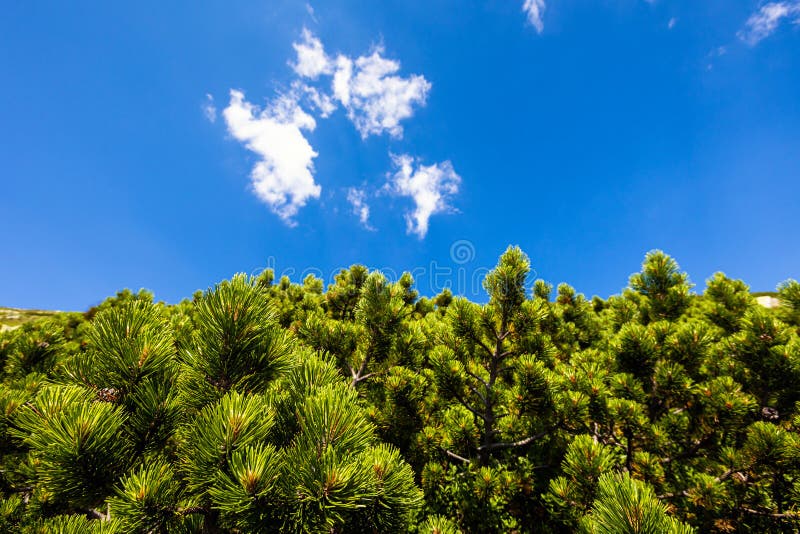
[(728, 301), (480, 366), (264, 406), (161, 440), (789, 296), (664, 287)]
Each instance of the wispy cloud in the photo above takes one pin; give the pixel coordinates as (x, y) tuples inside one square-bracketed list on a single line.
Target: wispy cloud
[(283, 177), (766, 20), (431, 188), (311, 12), (534, 9), (672, 22), (376, 98), (316, 99), (715, 54), (209, 109), (358, 201)]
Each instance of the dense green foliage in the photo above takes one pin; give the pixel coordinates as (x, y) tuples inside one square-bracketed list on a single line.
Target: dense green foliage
[(267, 406)]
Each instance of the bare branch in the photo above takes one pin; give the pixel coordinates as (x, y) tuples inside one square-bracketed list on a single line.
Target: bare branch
[(92, 513), (475, 412), (357, 379), (478, 393), (476, 377), (456, 457), (786, 515), (683, 493), (484, 345), (520, 443), (505, 354)]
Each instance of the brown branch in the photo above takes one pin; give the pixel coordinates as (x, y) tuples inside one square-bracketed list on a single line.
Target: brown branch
[(482, 344), (476, 377), (475, 412), (503, 355), (478, 393)]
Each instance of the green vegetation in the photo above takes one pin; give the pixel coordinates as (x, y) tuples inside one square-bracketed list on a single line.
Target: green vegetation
[(267, 406)]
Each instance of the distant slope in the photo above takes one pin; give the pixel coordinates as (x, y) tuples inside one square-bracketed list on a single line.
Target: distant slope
[(11, 318)]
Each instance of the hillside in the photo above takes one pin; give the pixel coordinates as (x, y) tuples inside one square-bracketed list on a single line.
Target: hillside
[(11, 318)]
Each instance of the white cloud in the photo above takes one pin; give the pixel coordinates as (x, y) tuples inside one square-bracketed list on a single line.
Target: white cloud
[(672, 22), (375, 97), (209, 109), (430, 187), (534, 9), (283, 177), (763, 22), (318, 100), (341, 79), (311, 58), (357, 199)]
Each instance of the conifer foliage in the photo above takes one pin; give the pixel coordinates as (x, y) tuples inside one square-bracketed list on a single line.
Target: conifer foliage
[(264, 406)]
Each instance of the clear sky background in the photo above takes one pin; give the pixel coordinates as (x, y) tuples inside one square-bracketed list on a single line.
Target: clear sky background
[(402, 135)]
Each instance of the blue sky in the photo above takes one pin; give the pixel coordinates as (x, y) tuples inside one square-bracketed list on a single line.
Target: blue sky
[(168, 145)]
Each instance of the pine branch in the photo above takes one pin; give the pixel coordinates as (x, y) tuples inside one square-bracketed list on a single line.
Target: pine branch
[(685, 493)]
